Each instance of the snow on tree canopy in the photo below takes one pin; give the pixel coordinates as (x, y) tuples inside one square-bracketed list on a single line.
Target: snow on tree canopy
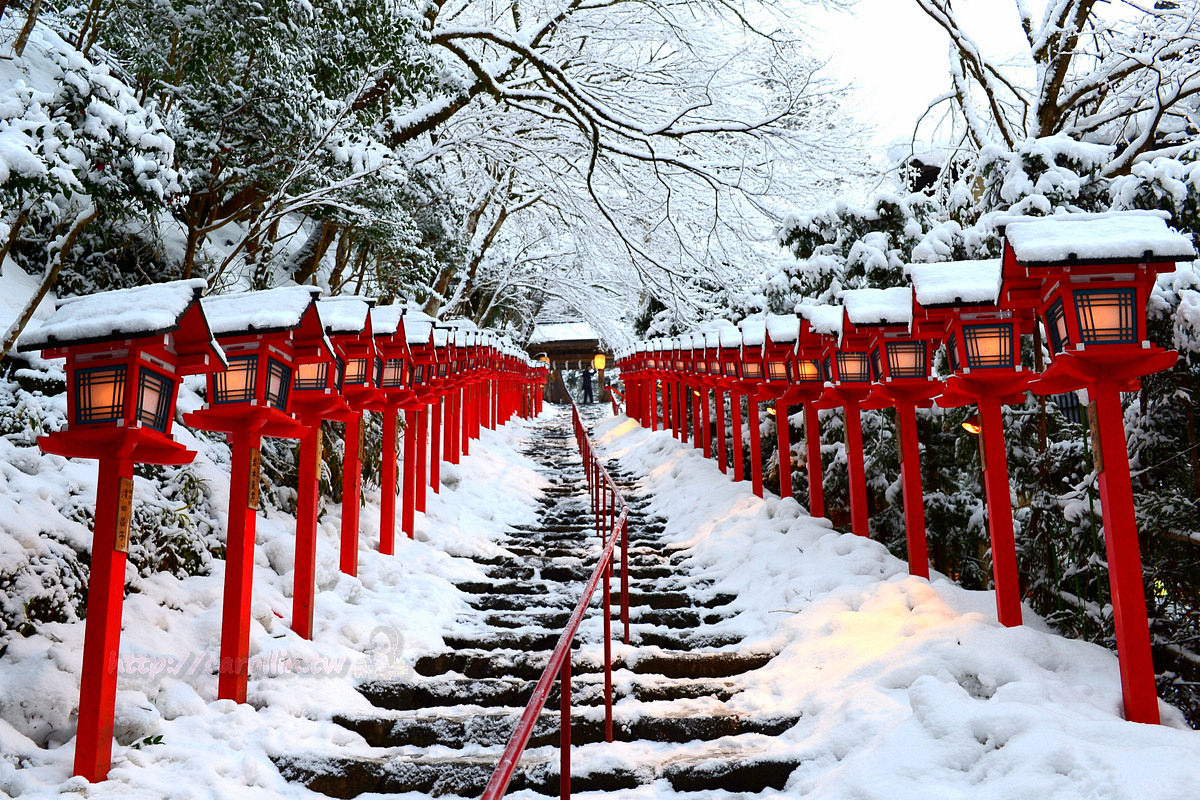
[(956, 282), (264, 310), (891, 306), (1117, 235), (546, 332), (783, 328), (823, 319), (345, 314), (122, 313)]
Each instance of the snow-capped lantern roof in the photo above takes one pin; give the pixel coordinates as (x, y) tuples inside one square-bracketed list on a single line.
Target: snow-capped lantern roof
[(891, 306), (1108, 238), (783, 328), (262, 311), (417, 327), (135, 313), (956, 283), (822, 319), (754, 331), (345, 314), (385, 320)]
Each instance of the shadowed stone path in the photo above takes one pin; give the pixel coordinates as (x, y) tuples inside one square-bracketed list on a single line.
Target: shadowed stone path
[(441, 731)]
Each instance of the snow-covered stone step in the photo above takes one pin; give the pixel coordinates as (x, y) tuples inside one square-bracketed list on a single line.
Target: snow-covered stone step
[(493, 728), (730, 764)]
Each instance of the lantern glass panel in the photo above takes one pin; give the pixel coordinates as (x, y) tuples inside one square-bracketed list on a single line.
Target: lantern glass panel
[(279, 380), (419, 374), (731, 370), (714, 367), (752, 370), (1106, 315), (99, 394), (1056, 327), (679, 365), (598, 361), (989, 346), (808, 371), (339, 375), (154, 399), (442, 368), (853, 367), (828, 369), (236, 384), (952, 353), (311, 376), (778, 371), (876, 365), (391, 373), (702, 367), (906, 360), (356, 372)]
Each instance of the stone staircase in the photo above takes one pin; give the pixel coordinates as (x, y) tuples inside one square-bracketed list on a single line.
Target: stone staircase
[(441, 731)]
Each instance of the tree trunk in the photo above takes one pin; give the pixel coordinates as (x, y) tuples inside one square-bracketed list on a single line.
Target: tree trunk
[(31, 18), (52, 269), (18, 223), (304, 266)]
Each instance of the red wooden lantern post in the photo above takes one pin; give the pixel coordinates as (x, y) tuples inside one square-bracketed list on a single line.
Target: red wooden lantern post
[(316, 396), (731, 370), (847, 365), (695, 369), (357, 351), (678, 402), (753, 376), (264, 335), (126, 352), (808, 384), (391, 382), (658, 383), (418, 332), (900, 365), (1095, 273), (780, 374), (435, 375), (723, 344), (983, 346), (704, 384)]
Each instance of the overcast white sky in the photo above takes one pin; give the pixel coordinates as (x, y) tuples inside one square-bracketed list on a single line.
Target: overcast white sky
[(899, 57)]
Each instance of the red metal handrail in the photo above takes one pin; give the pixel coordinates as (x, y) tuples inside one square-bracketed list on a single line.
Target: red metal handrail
[(607, 506)]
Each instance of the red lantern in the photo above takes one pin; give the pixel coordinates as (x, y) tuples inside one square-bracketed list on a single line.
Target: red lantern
[(1094, 274), (348, 324), (265, 334), (125, 352), (900, 364), (847, 367), (960, 300)]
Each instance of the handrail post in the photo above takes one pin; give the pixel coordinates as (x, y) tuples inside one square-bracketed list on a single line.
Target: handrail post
[(564, 742), (608, 680), (625, 578)]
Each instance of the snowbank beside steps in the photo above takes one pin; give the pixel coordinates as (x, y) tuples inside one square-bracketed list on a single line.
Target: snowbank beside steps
[(906, 688), (175, 740)]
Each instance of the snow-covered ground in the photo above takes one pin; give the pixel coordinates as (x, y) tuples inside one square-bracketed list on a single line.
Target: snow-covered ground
[(905, 689), (374, 625)]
